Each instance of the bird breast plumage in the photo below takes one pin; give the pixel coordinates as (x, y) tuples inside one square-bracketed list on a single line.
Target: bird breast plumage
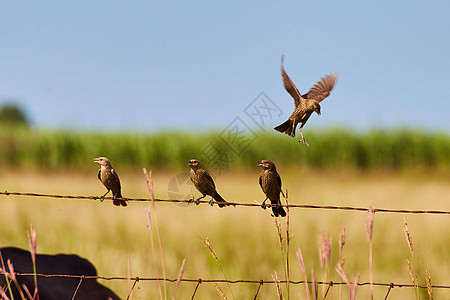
[(203, 182), (270, 184)]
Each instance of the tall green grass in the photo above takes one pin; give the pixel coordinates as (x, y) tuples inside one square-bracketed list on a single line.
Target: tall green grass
[(378, 148)]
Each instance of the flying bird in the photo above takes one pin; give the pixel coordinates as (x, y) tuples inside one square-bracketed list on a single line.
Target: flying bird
[(270, 182), (305, 104), (108, 176), (204, 183)]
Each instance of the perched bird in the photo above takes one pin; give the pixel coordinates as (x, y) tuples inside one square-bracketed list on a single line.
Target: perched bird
[(305, 104), (204, 183), (270, 183), (108, 176)]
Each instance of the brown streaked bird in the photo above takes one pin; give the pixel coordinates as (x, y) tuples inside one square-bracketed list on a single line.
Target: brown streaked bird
[(204, 183), (108, 176), (305, 104), (270, 182)]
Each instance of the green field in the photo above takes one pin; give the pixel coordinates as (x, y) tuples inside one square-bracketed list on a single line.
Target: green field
[(412, 176), (393, 149)]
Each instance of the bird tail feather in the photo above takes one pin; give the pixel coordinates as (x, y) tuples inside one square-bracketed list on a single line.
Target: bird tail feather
[(278, 211), (219, 199), (118, 202), (287, 128)]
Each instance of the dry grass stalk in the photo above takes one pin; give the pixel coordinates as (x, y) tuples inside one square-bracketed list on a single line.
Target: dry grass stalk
[(32, 242), (411, 273), (410, 260), (302, 266), (369, 234), (277, 225), (12, 274), (429, 288), (219, 290), (324, 250), (324, 255), (277, 284), (128, 267), (150, 228), (352, 286), (149, 182), (288, 239), (211, 249), (314, 285), (341, 247), (180, 274), (408, 237), (341, 255)]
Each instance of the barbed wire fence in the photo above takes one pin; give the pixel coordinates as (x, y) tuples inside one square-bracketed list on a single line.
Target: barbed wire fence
[(199, 281), (191, 201)]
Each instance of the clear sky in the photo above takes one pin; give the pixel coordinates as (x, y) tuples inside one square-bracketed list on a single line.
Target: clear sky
[(149, 65)]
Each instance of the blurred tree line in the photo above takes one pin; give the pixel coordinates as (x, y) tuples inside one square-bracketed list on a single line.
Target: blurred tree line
[(12, 115)]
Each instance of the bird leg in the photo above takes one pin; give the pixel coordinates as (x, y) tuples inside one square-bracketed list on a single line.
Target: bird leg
[(211, 202), (197, 201), (263, 205), (303, 139), (103, 197)]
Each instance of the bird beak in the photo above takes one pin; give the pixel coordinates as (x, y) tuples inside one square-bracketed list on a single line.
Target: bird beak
[(260, 164), (189, 163), (96, 160)]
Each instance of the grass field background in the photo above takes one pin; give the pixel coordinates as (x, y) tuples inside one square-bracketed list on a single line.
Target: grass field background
[(244, 238)]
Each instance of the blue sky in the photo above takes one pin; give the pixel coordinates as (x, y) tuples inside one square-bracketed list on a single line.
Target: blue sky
[(194, 66)]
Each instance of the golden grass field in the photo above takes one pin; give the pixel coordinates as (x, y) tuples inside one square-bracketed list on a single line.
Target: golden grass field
[(244, 238)]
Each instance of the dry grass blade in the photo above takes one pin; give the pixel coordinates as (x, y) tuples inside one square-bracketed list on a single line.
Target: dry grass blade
[(149, 182), (12, 274), (219, 290), (182, 269), (408, 237), (314, 285), (302, 266), (277, 225), (277, 284), (353, 287), (324, 250), (369, 234), (32, 242), (210, 247), (429, 288)]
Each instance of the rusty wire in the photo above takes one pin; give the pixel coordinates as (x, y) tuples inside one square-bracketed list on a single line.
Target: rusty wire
[(191, 201), (237, 281)]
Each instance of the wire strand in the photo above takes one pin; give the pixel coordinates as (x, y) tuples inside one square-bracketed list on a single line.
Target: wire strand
[(191, 201)]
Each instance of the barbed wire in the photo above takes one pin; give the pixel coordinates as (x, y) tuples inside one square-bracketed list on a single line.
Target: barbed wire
[(237, 281), (191, 201), (199, 281)]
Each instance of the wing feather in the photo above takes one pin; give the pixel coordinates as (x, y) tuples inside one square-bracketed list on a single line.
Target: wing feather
[(289, 85), (322, 88)]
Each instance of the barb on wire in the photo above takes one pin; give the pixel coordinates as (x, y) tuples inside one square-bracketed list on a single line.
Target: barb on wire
[(189, 201), (236, 281)]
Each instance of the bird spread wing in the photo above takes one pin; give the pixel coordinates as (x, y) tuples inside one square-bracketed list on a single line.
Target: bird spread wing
[(289, 85), (322, 88), (115, 177)]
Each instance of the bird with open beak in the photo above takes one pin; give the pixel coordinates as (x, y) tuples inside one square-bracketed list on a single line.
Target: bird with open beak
[(204, 183), (108, 176), (270, 182), (305, 104)]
